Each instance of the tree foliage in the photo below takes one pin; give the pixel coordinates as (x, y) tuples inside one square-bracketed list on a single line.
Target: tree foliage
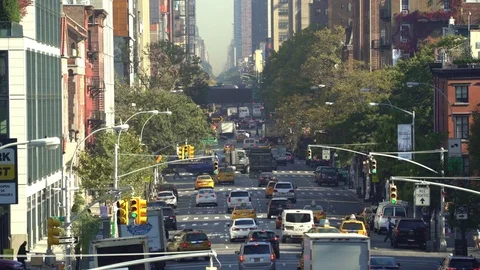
[(10, 11), (96, 165), (170, 69), (23, 4), (162, 132)]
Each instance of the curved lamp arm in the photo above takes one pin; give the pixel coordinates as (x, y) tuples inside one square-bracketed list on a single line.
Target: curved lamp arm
[(49, 142), (154, 112), (143, 127)]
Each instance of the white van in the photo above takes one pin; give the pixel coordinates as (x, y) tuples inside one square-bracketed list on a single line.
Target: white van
[(295, 222), (243, 112), (386, 210), (250, 143)]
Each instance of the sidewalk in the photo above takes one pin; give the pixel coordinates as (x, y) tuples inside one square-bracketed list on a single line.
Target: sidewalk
[(36, 260)]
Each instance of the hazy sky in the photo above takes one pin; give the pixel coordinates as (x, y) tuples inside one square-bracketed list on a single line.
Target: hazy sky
[(215, 25)]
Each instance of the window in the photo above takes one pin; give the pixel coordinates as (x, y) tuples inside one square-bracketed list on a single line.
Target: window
[(283, 11), (349, 6), (283, 24), (248, 222), (404, 32), (343, 6), (466, 165), (284, 1), (461, 127), (256, 249), (240, 194), (298, 217), (405, 5), (318, 10), (400, 212), (446, 5), (326, 11), (461, 93), (283, 37)]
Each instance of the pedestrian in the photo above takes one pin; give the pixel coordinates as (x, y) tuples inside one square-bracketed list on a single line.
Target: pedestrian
[(22, 253), (389, 224), (176, 174)]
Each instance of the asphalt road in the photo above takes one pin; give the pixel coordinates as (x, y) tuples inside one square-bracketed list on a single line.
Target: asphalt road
[(337, 202)]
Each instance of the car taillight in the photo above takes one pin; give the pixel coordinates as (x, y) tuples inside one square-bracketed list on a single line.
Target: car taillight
[(235, 229), (234, 212), (451, 268), (291, 190), (249, 199), (241, 258), (283, 227), (228, 199), (209, 244), (396, 232), (251, 238), (172, 217), (272, 257), (254, 228), (313, 225), (275, 190), (214, 195), (184, 245), (276, 238)]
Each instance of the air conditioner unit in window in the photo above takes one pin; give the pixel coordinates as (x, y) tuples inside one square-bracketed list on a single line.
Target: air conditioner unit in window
[(405, 11), (404, 40)]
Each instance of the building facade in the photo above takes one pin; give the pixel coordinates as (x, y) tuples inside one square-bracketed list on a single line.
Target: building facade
[(301, 14), (124, 32), (143, 37), (159, 20), (281, 24), (259, 23), (31, 94), (242, 31)]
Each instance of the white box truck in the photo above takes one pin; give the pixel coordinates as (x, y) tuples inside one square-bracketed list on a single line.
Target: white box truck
[(124, 245), (227, 128), (335, 251)]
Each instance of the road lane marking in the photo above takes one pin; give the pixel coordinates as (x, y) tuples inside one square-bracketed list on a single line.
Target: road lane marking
[(195, 218), (194, 225), (186, 218), (205, 217), (217, 217)]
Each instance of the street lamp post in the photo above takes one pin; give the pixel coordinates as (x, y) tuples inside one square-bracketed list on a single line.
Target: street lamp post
[(443, 242), (66, 188), (412, 113), (50, 143), (143, 127)]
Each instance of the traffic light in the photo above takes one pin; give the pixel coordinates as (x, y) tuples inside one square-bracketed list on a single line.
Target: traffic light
[(309, 155), (191, 151), (142, 212), (215, 167), (180, 152), (122, 212), (54, 231), (159, 158), (393, 193), (374, 166), (185, 151), (134, 207)]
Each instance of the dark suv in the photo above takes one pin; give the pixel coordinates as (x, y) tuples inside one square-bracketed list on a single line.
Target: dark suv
[(459, 262), (327, 175), (267, 236), (409, 231), (169, 218), (168, 187), (266, 177), (277, 205)]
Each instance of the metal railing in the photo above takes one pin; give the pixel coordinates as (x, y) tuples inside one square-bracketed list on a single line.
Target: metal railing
[(10, 29)]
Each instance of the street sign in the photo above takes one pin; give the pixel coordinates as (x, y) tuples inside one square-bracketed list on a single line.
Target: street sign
[(326, 154), (454, 147), (375, 178), (461, 212), (210, 141), (422, 196), (68, 240), (8, 173)]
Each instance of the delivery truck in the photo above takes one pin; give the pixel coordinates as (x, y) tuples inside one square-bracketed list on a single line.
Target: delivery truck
[(124, 245), (335, 251), (227, 129)]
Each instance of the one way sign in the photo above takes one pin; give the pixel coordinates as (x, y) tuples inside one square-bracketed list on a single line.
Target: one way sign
[(454, 147), (422, 196)]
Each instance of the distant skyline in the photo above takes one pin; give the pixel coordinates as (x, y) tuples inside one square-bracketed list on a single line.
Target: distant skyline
[(215, 26)]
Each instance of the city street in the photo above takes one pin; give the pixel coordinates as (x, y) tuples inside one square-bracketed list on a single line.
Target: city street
[(337, 202)]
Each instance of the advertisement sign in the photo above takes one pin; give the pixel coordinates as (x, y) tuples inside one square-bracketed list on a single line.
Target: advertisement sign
[(404, 135), (8, 173)]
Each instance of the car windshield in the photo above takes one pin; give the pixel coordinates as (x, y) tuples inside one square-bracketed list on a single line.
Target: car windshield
[(244, 207), (256, 249), (328, 171), (352, 226), (314, 207), (298, 217), (165, 194), (383, 261), (244, 222), (197, 237), (283, 185), (263, 235), (239, 194)]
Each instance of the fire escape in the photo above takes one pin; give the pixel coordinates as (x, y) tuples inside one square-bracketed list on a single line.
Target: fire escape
[(384, 44), (96, 90)]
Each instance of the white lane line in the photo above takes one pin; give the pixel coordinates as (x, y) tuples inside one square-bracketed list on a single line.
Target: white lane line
[(195, 218), (226, 246), (216, 223), (226, 216), (186, 218), (194, 225), (329, 194), (205, 224), (338, 194), (206, 217), (217, 217)]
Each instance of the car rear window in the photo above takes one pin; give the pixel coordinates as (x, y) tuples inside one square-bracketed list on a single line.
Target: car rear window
[(239, 194), (283, 185), (271, 184), (244, 222), (197, 237), (388, 211), (244, 207), (266, 175), (279, 203), (263, 235), (463, 263), (411, 224), (352, 226), (256, 249), (168, 212), (400, 212), (298, 217), (165, 194), (157, 204), (206, 191), (204, 177), (316, 207), (227, 170)]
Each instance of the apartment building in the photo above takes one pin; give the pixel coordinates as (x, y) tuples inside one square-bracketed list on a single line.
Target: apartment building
[(328, 13), (143, 37), (242, 31), (31, 105), (259, 23), (125, 31), (301, 14), (282, 22), (159, 20)]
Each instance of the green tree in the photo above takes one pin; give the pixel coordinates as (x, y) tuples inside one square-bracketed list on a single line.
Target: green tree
[(96, 165), (162, 132), (474, 143), (10, 11)]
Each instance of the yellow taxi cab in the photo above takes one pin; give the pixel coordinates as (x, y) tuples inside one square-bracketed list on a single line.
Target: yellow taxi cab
[(189, 240), (225, 175), (244, 211), (353, 226), (318, 212), (204, 181), (269, 188), (359, 218)]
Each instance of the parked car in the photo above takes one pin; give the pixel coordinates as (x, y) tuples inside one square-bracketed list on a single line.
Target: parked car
[(459, 262)]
